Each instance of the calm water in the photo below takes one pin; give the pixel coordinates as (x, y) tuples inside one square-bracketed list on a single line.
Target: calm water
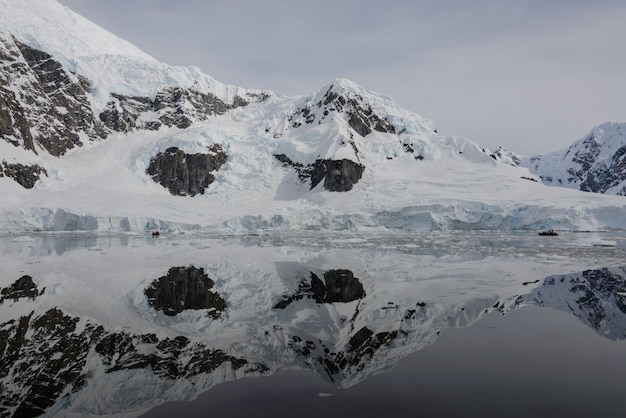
[(432, 324), (535, 362)]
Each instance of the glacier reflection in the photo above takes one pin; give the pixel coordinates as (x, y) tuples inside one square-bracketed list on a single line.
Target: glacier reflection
[(118, 325)]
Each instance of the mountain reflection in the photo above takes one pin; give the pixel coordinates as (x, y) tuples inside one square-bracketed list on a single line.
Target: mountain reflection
[(338, 286), (596, 297), (143, 322)]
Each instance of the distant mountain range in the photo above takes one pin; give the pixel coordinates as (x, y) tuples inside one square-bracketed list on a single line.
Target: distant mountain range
[(595, 163), (99, 136)]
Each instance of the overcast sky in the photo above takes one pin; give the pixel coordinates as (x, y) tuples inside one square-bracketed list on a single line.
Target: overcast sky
[(532, 75)]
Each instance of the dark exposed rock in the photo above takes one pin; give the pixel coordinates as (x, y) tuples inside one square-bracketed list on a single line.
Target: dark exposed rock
[(44, 106), (359, 114), (184, 288), (186, 174), (24, 287), (14, 124), (304, 171), (122, 113), (177, 102), (175, 106), (51, 108), (25, 175), (528, 178), (338, 175), (599, 179), (338, 286), (342, 286)]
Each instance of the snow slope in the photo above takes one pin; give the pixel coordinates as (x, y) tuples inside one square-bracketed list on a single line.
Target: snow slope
[(413, 178), (111, 63)]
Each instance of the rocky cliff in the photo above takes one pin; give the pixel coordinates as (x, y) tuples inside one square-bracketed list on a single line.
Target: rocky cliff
[(45, 107)]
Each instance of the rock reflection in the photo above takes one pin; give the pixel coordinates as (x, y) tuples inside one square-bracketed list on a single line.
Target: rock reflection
[(595, 297), (24, 287), (185, 288), (338, 286), (227, 311), (48, 358)]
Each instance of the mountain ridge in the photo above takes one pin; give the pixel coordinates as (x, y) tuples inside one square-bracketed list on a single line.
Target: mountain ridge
[(596, 162), (82, 132)]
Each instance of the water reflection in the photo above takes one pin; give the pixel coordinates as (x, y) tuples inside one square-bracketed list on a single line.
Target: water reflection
[(184, 288), (596, 297), (117, 325)]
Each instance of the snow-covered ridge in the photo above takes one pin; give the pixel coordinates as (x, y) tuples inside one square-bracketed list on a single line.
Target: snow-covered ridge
[(341, 158), (49, 26), (112, 64), (595, 163)]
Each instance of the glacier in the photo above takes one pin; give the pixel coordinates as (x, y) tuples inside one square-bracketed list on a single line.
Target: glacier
[(414, 178)]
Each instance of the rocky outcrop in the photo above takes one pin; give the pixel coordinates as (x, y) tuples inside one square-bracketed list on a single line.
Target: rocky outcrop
[(338, 175), (354, 109), (601, 179), (173, 106), (25, 175), (338, 286), (122, 114), (185, 288), (186, 174), (336, 363), (43, 106), (359, 114)]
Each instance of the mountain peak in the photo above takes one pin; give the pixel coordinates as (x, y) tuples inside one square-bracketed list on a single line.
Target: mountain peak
[(112, 64), (51, 27), (341, 85), (137, 128), (594, 163)]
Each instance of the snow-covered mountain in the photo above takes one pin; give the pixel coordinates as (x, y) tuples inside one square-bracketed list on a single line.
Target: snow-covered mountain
[(99, 136), (595, 163)]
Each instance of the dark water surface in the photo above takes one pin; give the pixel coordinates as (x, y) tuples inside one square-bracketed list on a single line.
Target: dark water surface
[(533, 362)]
